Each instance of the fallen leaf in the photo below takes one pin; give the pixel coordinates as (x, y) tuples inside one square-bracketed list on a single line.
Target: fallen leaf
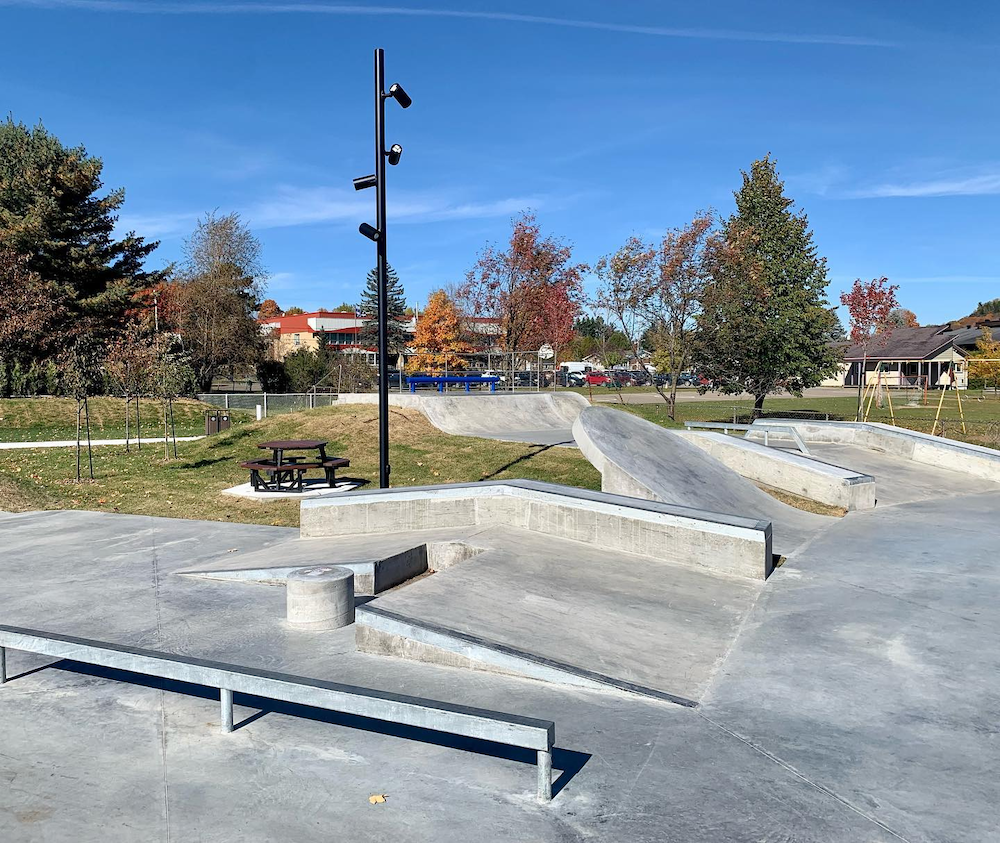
[(376, 798)]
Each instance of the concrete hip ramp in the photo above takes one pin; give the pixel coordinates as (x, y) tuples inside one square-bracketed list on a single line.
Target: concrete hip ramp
[(540, 418), (643, 460)]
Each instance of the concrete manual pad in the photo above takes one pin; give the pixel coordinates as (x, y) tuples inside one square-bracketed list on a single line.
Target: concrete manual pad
[(628, 617), (642, 459), (898, 479)]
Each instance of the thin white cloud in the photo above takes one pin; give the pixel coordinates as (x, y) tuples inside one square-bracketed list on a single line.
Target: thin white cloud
[(271, 8), (980, 184), (308, 206), (157, 225), (294, 206)]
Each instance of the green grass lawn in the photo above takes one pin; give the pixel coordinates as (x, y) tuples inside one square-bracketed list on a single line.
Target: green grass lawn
[(189, 487), (41, 419)]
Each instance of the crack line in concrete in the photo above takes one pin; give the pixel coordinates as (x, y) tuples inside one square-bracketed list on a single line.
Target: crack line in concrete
[(804, 778), (163, 710)]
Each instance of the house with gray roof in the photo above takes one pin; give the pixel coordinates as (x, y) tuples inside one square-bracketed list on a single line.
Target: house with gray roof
[(931, 356)]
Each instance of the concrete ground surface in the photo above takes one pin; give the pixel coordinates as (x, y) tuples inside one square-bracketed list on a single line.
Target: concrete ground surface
[(853, 696)]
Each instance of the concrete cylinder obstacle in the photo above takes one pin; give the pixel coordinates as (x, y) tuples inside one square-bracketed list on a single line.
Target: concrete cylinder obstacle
[(320, 597)]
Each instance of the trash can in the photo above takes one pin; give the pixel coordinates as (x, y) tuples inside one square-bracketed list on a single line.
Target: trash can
[(216, 421)]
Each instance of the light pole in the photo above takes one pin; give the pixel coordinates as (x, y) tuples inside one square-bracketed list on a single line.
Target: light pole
[(377, 234)]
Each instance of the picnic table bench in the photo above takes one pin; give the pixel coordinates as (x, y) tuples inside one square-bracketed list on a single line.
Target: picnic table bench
[(441, 380), (283, 473)]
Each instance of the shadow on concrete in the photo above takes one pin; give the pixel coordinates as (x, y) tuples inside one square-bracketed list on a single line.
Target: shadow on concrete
[(567, 761), (538, 449)]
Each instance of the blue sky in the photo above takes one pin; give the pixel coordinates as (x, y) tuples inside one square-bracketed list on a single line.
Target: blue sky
[(607, 119)]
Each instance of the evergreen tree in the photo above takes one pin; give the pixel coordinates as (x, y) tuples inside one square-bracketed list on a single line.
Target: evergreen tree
[(766, 325), (51, 213), (398, 337)]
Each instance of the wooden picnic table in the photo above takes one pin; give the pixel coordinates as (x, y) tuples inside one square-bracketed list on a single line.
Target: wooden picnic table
[(284, 473), (279, 446)]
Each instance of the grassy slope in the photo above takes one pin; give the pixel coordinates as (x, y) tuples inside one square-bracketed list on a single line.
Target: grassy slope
[(39, 419), (189, 487)]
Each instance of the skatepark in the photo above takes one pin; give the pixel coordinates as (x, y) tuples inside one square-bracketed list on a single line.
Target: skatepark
[(702, 660)]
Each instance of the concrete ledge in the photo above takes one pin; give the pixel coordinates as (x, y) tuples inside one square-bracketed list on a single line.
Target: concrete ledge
[(371, 576), (788, 471), (974, 460), (387, 633), (724, 544)]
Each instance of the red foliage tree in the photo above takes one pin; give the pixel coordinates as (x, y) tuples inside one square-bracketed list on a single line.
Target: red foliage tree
[(870, 305), (531, 288)]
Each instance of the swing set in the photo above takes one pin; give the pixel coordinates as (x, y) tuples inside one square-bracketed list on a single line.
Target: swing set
[(878, 386)]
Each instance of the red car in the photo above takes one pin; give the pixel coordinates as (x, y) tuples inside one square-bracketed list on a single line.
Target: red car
[(596, 378)]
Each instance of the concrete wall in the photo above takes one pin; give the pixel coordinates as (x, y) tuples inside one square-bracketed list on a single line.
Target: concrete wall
[(789, 472), (974, 460), (683, 535)]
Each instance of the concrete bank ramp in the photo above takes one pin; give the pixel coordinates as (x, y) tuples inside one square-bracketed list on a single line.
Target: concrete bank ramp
[(643, 460), (541, 418)]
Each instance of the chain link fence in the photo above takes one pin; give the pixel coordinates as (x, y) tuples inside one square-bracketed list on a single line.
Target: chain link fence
[(270, 403)]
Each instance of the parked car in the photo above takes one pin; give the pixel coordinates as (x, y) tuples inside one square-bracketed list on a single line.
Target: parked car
[(569, 379), (596, 378), (640, 377), (525, 378)]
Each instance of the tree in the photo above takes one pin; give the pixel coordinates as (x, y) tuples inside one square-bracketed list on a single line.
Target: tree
[(294, 311), (49, 211), (32, 313), (984, 361), (218, 294), (532, 288), (269, 310), (303, 368), (987, 308), (901, 317), (129, 364), (344, 307), (397, 337), (782, 339), (655, 294), (871, 305), (438, 341), (52, 216)]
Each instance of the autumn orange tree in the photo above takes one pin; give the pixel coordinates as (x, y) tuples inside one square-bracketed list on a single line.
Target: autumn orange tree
[(438, 340), (532, 288), (984, 361), (902, 317), (269, 310)]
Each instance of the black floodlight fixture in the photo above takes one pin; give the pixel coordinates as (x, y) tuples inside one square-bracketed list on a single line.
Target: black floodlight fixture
[(369, 231), (393, 154), (363, 182), (396, 92)]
